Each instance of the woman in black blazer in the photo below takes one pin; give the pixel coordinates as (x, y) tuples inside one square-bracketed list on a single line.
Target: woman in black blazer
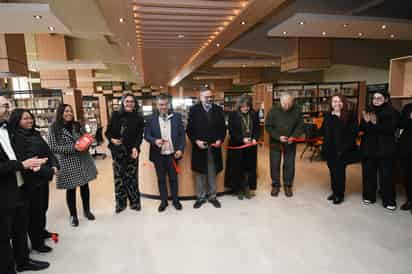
[(29, 143), (405, 146), (339, 130), (241, 165)]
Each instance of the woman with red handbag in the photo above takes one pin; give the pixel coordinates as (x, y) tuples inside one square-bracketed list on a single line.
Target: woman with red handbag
[(77, 167)]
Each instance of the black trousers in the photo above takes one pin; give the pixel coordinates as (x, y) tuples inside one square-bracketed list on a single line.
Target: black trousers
[(39, 203), (337, 172), (289, 155), (6, 251), (71, 199), (406, 164), (164, 168), (379, 170)]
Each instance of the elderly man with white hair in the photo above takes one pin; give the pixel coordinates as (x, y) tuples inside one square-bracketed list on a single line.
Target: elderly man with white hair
[(284, 122)]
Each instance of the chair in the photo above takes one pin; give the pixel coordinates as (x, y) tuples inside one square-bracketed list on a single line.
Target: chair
[(98, 141), (311, 132)]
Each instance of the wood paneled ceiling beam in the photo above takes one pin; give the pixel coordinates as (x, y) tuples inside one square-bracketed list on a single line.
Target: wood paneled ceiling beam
[(184, 11), (156, 17), (176, 28), (203, 4), (178, 23), (250, 16)]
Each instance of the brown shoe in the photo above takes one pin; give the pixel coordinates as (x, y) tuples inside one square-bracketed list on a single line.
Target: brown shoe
[(288, 191), (275, 191)]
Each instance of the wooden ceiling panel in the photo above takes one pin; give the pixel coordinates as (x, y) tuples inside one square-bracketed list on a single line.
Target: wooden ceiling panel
[(184, 11), (198, 4)]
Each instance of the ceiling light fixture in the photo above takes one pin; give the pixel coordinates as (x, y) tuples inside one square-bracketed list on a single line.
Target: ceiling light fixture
[(180, 36), (360, 34), (121, 20), (217, 45), (51, 28), (392, 36), (243, 22), (383, 27), (284, 33), (301, 23), (38, 17), (345, 25), (324, 33)]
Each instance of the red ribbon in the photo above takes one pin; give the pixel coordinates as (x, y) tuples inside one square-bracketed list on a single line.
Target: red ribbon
[(175, 166), (238, 147), (55, 237)]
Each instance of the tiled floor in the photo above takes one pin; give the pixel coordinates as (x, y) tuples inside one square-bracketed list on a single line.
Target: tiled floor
[(305, 234)]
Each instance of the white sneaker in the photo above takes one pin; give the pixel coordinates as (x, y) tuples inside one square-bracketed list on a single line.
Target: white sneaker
[(391, 208)]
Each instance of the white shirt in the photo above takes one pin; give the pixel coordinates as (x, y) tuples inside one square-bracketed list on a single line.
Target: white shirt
[(8, 149), (166, 132)]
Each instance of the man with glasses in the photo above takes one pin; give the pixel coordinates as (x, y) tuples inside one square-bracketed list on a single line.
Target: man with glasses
[(207, 130), (13, 205)]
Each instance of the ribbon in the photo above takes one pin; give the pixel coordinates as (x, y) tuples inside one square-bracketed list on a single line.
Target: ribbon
[(238, 147), (175, 166)]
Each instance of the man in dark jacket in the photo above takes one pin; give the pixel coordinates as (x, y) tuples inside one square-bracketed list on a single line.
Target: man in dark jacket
[(207, 130), (284, 122), (166, 135), (13, 206)]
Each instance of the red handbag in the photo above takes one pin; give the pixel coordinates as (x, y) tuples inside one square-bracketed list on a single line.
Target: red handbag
[(84, 142)]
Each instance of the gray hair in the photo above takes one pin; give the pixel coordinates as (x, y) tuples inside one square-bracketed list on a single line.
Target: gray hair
[(244, 99), (286, 96)]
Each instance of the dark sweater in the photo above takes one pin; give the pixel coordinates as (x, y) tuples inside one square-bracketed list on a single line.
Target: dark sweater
[(405, 123), (128, 127)]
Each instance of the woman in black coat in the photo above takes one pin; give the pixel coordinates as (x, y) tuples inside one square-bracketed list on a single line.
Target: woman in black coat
[(240, 173), (378, 147), (125, 135), (29, 143), (339, 129), (405, 146)]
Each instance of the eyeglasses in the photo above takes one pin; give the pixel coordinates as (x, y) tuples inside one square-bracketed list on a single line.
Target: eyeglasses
[(5, 106)]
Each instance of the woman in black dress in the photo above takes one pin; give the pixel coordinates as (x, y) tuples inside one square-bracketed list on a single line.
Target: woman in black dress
[(125, 135), (379, 124), (241, 164), (339, 129), (405, 145), (29, 143)]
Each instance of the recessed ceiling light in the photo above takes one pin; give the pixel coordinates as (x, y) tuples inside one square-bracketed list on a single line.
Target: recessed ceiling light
[(132, 58), (360, 34), (217, 45), (38, 17), (121, 20), (345, 25), (51, 28), (383, 27), (180, 36), (243, 65), (392, 36), (128, 44), (301, 23), (324, 33), (243, 22), (284, 33)]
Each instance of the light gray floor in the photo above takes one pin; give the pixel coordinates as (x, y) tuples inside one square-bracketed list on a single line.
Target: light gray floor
[(305, 234)]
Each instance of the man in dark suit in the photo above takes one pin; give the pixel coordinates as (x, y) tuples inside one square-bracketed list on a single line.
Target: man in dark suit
[(13, 206), (166, 135), (207, 130)]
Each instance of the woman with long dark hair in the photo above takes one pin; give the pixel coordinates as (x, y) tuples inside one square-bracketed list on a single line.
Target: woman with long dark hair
[(125, 135), (379, 124), (29, 143), (241, 164), (339, 129), (77, 168)]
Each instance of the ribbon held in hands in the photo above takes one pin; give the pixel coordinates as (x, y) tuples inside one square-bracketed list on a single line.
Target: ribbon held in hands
[(238, 147)]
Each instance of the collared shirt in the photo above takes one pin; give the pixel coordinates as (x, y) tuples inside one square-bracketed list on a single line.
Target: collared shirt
[(207, 107), (166, 132), (8, 149)]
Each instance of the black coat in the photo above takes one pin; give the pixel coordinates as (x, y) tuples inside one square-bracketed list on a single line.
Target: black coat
[(200, 127), (8, 182), (241, 159), (405, 123), (339, 137), (29, 144), (379, 141)]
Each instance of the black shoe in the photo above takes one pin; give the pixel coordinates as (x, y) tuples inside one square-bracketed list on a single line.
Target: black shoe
[(288, 191), (215, 203), (338, 200), (46, 234), (74, 221), (198, 203), (331, 197), (275, 191), (177, 205), (136, 207), (89, 216), (43, 249), (32, 265), (162, 207), (119, 209), (407, 206)]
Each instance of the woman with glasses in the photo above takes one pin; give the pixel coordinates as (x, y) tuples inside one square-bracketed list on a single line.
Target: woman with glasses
[(125, 135), (378, 147)]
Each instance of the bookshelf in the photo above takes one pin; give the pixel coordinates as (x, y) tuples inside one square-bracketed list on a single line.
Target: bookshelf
[(91, 113)]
